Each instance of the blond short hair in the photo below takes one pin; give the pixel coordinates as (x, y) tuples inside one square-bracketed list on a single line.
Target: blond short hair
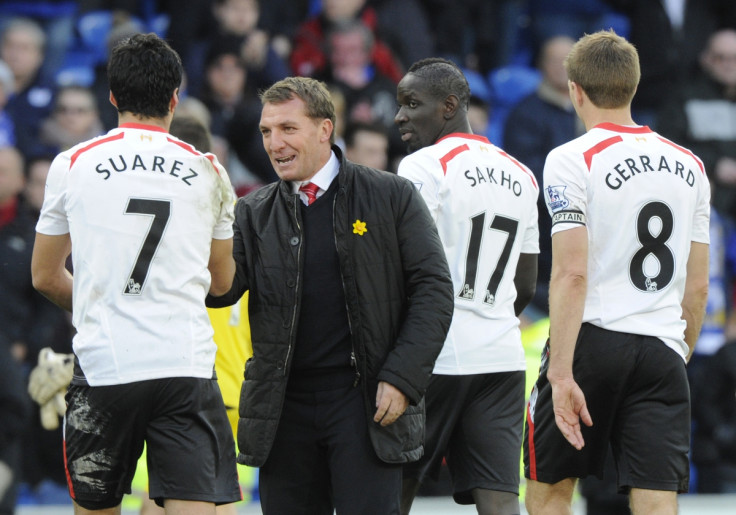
[(606, 66)]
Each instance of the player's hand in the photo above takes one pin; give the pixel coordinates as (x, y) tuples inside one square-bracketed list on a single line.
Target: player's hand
[(52, 410), (52, 374), (390, 404), (570, 408)]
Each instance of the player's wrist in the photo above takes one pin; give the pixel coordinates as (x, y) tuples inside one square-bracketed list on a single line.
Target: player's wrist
[(560, 376)]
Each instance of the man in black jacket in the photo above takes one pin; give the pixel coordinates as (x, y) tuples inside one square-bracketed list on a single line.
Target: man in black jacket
[(350, 302)]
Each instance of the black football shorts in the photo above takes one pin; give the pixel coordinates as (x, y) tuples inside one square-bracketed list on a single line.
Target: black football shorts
[(475, 422), (190, 446), (637, 393)]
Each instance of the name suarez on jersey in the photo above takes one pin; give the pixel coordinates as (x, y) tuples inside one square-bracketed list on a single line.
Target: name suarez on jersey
[(158, 164), (490, 176), (631, 167)]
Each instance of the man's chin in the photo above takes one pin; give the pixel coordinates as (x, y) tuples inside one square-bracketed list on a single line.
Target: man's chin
[(412, 146)]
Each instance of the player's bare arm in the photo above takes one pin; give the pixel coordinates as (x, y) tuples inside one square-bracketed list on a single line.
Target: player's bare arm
[(696, 293), (568, 285), (48, 268), (221, 266), (525, 281)]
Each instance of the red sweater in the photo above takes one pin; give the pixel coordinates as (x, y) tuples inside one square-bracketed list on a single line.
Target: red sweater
[(309, 59)]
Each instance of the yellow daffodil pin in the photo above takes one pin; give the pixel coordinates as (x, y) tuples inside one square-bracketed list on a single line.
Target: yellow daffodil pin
[(359, 228)]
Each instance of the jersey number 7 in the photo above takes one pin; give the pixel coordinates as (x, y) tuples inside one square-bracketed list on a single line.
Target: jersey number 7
[(160, 210)]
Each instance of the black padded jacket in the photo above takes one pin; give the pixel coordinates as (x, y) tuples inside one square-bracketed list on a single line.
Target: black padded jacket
[(397, 289)]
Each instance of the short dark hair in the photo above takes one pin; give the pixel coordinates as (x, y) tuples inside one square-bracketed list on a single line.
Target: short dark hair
[(192, 131), (443, 78), (143, 72)]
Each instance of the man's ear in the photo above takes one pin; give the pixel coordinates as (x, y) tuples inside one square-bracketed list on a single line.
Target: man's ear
[(174, 100), (451, 106), (113, 101), (576, 93), (326, 129)]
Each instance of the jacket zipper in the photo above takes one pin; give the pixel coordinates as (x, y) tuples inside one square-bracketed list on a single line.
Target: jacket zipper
[(296, 287), (353, 358)]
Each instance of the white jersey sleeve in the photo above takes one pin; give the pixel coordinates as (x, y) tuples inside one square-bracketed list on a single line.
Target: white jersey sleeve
[(643, 200), (484, 204), (53, 220), (225, 218), (142, 208)]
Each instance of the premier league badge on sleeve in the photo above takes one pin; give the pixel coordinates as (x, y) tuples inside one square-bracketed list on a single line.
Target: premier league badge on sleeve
[(556, 199)]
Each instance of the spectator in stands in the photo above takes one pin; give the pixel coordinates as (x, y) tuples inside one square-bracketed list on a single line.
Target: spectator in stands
[(281, 19), (190, 28), (714, 434), (367, 144), (370, 96), (309, 58), (540, 122), (192, 107), (28, 322), (7, 87), (477, 34), (572, 18), (700, 113), (669, 37), (408, 46), (15, 409), (37, 169), (235, 111), (715, 383), (238, 21), (123, 27), (15, 250), (43, 464), (18, 303), (22, 48), (56, 18), (75, 119)]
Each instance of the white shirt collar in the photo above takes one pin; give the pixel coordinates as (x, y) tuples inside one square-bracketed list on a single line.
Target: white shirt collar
[(323, 178)]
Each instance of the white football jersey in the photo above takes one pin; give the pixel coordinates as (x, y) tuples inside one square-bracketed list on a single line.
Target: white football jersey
[(643, 199), (484, 203), (142, 208)]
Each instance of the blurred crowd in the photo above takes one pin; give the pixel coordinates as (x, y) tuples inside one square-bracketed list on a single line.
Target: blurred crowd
[(54, 94)]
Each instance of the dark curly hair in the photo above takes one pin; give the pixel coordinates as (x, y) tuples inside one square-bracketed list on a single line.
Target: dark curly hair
[(143, 72)]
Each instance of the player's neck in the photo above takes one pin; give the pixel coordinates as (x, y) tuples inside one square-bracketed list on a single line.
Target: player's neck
[(456, 125), (127, 117), (598, 116)]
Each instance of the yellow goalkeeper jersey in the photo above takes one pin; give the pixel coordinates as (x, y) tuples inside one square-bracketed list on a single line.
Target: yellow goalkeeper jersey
[(232, 336)]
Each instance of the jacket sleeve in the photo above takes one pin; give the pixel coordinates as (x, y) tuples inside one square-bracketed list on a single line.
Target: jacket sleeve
[(240, 281), (430, 299)]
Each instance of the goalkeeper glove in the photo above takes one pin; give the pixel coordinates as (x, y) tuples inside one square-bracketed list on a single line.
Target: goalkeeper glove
[(52, 410), (52, 375)]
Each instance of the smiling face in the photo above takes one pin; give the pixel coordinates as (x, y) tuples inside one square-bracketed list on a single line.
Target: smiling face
[(421, 116), (297, 145)]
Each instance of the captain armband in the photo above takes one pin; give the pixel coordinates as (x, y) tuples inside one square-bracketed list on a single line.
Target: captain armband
[(568, 217)]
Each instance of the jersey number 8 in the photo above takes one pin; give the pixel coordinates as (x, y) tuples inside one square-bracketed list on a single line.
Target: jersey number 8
[(654, 245)]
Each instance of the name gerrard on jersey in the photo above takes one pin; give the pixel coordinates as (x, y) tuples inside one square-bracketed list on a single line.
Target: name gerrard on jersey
[(488, 176), (155, 164), (633, 167)]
